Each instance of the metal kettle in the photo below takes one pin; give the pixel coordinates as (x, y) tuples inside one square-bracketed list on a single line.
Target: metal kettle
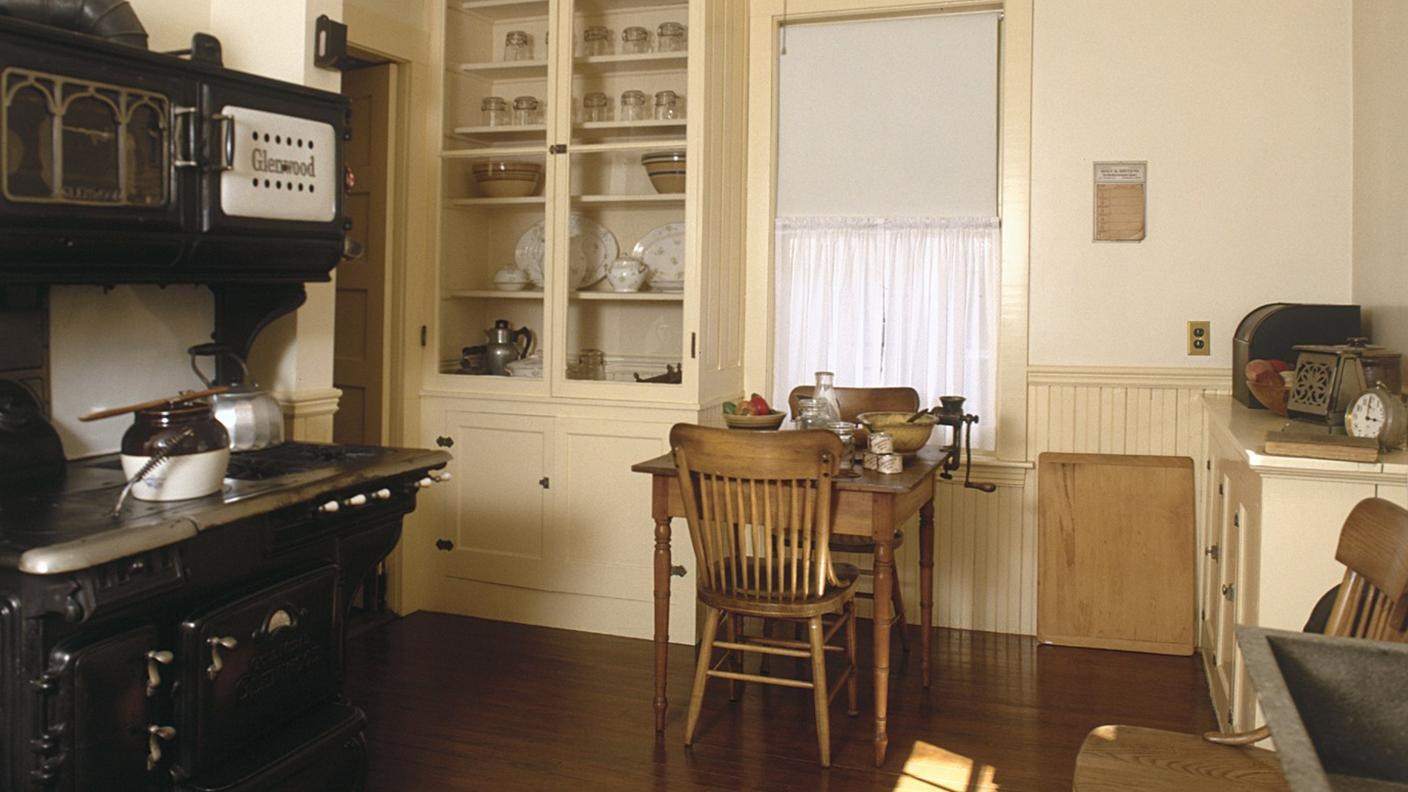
[(251, 416), (504, 346)]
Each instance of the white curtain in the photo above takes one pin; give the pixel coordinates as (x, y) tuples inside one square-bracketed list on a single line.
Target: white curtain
[(890, 301)]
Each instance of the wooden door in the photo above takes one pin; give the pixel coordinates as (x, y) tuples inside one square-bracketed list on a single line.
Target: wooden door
[(358, 366), (1224, 603)]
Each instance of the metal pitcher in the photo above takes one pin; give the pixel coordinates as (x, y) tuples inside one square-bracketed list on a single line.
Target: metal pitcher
[(251, 417), (505, 346)]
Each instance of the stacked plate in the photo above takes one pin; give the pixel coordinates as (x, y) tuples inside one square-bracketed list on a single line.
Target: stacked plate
[(666, 170), (507, 178)]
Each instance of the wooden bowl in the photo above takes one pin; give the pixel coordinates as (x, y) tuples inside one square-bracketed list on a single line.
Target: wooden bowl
[(1273, 397), (755, 422), (909, 436)]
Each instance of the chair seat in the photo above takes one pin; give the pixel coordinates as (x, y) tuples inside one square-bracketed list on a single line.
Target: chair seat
[(1121, 758), (852, 543), (770, 607)]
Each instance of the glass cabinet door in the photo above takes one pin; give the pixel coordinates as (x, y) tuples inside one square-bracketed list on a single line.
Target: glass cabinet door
[(496, 173), (625, 90)]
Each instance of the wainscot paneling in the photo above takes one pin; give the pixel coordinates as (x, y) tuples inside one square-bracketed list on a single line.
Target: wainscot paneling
[(985, 545)]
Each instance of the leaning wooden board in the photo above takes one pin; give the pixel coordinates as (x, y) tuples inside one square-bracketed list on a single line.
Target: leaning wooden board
[(1115, 552)]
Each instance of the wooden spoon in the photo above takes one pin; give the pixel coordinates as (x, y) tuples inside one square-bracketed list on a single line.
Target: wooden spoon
[(130, 408), (915, 417)]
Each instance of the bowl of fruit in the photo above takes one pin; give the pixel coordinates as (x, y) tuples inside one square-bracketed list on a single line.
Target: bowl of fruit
[(752, 413)]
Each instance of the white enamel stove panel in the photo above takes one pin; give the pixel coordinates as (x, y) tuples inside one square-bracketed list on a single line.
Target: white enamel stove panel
[(284, 168)]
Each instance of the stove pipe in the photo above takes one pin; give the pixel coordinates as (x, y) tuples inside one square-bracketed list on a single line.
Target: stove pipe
[(113, 20)]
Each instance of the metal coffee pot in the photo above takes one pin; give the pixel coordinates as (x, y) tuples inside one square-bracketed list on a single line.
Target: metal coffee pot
[(505, 346), (251, 417)]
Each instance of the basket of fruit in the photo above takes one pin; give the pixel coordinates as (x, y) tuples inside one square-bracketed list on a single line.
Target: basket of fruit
[(752, 413)]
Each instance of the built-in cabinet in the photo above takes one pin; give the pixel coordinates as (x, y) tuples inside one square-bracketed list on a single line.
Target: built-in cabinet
[(544, 508), (1272, 525)]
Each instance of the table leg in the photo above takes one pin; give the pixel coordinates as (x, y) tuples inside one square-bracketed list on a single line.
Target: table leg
[(662, 616), (884, 614), (926, 584)]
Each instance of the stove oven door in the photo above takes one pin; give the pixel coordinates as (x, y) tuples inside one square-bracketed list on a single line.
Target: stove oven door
[(102, 726), (91, 150), (251, 666)]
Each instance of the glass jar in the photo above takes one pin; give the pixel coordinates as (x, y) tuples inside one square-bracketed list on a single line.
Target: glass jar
[(597, 41), (825, 395), (593, 364), (495, 111), (635, 41), (596, 107), (525, 110), (809, 414), (633, 106), (847, 432), (518, 46), (669, 37), (668, 106)]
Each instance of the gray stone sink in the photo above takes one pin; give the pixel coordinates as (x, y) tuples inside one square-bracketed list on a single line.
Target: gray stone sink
[(1337, 708)]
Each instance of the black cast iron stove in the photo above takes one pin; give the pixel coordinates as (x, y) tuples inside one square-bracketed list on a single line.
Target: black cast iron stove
[(194, 645)]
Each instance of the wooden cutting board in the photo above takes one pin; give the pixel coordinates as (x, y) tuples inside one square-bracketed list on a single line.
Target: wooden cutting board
[(1115, 552)]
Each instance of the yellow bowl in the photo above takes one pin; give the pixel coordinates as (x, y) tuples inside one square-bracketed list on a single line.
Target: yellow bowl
[(755, 422), (909, 436)]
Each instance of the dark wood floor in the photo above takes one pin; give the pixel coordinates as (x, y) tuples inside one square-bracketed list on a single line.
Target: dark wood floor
[(457, 703)]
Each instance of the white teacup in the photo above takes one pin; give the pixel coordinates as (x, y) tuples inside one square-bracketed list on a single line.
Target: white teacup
[(510, 278)]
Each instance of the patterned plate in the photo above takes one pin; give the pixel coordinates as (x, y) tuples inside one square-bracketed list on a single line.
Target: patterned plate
[(592, 250), (662, 249)]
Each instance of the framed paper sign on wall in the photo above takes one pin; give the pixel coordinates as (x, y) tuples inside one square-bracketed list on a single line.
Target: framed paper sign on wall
[(1120, 201)]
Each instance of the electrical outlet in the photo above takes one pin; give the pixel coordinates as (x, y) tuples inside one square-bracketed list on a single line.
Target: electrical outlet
[(1200, 338)]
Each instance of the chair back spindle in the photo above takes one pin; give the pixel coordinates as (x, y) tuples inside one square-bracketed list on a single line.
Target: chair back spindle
[(1373, 597)]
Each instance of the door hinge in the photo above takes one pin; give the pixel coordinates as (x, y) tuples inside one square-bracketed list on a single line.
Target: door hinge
[(1237, 520), (557, 148), (424, 334), (693, 345), (1207, 463), (1214, 659), (1219, 489), (1229, 715), (444, 544), (445, 442), (544, 483), (1203, 615)]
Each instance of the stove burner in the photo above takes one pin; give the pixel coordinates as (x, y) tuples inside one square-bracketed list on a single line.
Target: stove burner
[(281, 460)]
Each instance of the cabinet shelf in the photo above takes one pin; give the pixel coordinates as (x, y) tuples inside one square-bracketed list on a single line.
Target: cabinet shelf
[(494, 151), (494, 294), (505, 70), (628, 64), (614, 6), (636, 144), (531, 200), (499, 135), (665, 199), (495, 10), (645, 296)]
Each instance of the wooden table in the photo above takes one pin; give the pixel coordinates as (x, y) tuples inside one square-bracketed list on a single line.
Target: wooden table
[(870, 504)]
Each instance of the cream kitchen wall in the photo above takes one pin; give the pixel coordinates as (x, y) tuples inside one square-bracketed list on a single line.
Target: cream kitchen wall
[(110, 347), (1381, 169), (1243, 112)]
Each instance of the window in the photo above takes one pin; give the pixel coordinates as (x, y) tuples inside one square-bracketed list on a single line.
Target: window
[(887, 259)]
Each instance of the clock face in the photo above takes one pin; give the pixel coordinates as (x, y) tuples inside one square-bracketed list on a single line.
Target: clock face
[(1368, 415)]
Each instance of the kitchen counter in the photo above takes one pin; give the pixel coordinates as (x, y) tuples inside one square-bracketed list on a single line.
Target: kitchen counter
[(1246, 429)]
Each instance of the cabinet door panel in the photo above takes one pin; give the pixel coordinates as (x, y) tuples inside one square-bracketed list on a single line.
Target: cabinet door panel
[(603, 524), (498, 505)]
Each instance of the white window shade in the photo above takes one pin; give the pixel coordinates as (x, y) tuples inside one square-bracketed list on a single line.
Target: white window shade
[(893, 117)]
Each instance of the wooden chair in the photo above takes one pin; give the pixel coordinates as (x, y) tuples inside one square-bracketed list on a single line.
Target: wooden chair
[(759, 513), (1372, 603), (853, 402)]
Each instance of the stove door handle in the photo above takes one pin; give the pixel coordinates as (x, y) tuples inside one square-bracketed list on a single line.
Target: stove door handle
[(184, 132), (217, 663), (155, 660)]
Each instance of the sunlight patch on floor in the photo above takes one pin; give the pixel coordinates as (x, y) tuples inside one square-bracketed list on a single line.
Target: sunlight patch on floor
[(930, 768)]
